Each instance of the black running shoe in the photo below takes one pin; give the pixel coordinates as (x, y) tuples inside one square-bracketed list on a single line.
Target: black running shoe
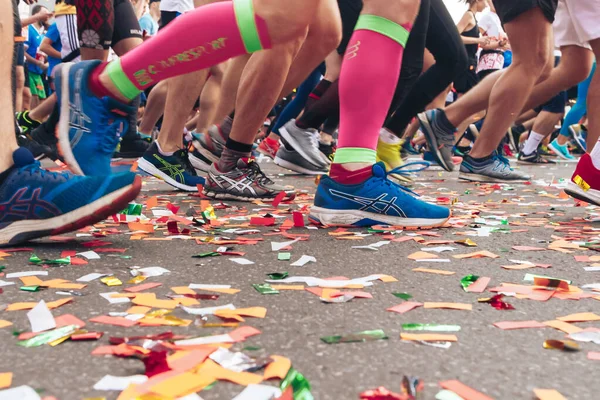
[(533, 158), (328, 150), (45, 135), (39, 151), (133, 146), (25, 122)]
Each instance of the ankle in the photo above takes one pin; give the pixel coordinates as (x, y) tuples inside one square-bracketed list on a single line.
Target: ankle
[(166, 149), (351, 173), (101, 85)]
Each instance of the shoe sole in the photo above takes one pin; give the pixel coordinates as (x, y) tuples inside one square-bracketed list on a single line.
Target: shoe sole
[(198, 163), (591, 196), (559, 153), (522, 162), (229, 196), (99, 210), (205, 152), (62, 131), (486, 179), (432, 142), (347, 218), (152, 170), (297, 168), (291, 140)]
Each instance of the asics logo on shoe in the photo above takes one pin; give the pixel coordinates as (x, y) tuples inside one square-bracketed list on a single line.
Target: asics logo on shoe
[(25, 208), (174, 171), (377, 205), (78, 119), (240, 185)]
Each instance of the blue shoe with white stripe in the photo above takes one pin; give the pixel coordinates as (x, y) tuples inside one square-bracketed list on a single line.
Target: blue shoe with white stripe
[(89, 127), (378, 200)]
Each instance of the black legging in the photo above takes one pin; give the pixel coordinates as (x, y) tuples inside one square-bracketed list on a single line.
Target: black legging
[(435, 30)]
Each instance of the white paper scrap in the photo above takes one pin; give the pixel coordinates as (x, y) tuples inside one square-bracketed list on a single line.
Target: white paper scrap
[(205, 340), (26, 273), (207, 287), (90, 277), (276, 246), (439, 249), (207, 310), (111, 300), (241, 261), (20, 392), (41, 318), (109, 382), (90, 255), (303, 261), (259, 392)]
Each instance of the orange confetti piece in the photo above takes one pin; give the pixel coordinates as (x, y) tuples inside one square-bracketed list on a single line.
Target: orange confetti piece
[(548, 394), (278, 368), (256, 312), (580, 317), (142, 287), (434, 271), (463, 390), (150, 300), (4, 323), (428, 337), (450, 306), (563, 326), (477, 254), (138, 226), (5, 379), (404, 307), (422, 255), (152, 202)]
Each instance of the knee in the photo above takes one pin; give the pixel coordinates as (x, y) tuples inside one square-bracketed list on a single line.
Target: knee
[(286, 21), (326, 31)]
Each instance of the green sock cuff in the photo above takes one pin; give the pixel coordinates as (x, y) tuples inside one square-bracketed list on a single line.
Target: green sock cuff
[(244, 14), (383, 26), (121, 81), (348, 155)]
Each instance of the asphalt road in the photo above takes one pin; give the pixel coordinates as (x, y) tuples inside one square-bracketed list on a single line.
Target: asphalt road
[(501, 364)]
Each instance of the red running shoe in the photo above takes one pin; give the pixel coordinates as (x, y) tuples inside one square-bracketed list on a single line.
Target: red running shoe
[(269, 147), (585, 183)]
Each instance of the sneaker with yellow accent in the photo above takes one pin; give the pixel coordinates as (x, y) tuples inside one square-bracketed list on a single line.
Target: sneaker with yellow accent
[(585, 183), (389, 154)]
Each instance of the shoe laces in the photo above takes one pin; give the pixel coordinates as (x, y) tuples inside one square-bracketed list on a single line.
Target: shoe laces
[(405, 171), (502, 161), (36, 169), (256, 174), (183, 155)]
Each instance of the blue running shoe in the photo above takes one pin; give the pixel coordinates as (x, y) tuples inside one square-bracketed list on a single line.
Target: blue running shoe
[(89, 127), (378, 200), (175, 169), (561, 150), (580, 136), (35, 203)]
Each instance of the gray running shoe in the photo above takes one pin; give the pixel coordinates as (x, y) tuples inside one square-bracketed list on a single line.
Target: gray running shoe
[(496, 169), (245, 182), (305, 142), (199, 162), (439, 138), (210, 144), (292, 160), (533, 158)]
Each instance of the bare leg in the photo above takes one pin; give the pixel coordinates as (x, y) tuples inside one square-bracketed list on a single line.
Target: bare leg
[(42, 111), (20, 85), (593, 103), (231, 82), (209, 98), (7, 133), (509, 94), (542, 128), (155, 106)]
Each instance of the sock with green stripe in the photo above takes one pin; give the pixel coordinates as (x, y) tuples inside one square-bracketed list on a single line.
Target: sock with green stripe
[(368, 78), (196, 40)]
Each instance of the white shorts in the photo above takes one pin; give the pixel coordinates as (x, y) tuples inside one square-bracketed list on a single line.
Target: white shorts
[(67, 28), (577, 22)]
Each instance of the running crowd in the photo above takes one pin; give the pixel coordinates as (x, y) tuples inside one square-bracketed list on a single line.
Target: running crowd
[(345, 89)]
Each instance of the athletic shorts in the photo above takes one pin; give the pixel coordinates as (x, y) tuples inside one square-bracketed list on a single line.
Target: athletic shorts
[(67, 29), (103, 22), (577, 23), (468, 79), (36, 85), (350, 11), (166, 17), (508, 10)]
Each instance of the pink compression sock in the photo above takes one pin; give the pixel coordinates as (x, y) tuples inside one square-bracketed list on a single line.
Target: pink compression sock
[(199, 39), (368, 79)]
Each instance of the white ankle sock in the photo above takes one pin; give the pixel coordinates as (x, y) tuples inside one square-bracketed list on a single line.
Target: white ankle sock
[(595, 154), (388, 137), (164, 153), (532, 143)]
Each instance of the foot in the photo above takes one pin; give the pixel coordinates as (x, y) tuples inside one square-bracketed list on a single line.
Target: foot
[(38, 150), (305, 142), (269, 147), (533, 158), (199, 162), (246, 182), (292, 160), (25, 122), (408, 150), (89, 127), (328, 150), (439, 138), (561, 150), (45, 135), (35, 203), (580, 136), (389, 155), (377, 200), (494, 169), (585, 182), (429, 157), (210, 144), (174, 169), (133, 146)]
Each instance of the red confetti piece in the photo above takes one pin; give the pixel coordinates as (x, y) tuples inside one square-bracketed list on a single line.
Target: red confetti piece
[(172, 227), (298, 219), (262, 221), (280, 196), (173, 208), (156, 363)]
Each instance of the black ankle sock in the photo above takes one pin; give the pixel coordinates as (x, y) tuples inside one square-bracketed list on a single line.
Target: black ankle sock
[(237, 146), (482, 159)]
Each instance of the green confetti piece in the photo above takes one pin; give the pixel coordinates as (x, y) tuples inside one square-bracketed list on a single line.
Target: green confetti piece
[(364, 336), (2, 268), (48, 337), (212, 385), (132, 209), (468, 281), (431, 327), (300, 385), (251, 348), (277, 275), (284, 256), (264, 288), (209, 254), (33, 288), (36, 260), (403, 296)]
